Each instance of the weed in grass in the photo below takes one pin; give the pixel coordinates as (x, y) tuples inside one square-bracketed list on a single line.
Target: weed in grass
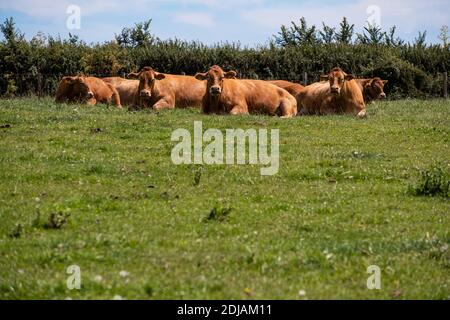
[(218, 214), (198, 175), (57, 220), (16, 231), (432, 182)]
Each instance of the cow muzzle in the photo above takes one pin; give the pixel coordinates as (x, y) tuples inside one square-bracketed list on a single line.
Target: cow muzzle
[(382, 95), (145, 94), (335, 90), (89, 95), (215, 91)]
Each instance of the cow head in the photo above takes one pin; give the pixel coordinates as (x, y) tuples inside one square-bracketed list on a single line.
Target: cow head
[(215, 77), (337, 78), (80, 87), (374, 88), (147, 78)]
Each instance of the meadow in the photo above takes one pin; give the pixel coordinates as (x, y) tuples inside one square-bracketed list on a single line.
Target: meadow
[(95, 187)]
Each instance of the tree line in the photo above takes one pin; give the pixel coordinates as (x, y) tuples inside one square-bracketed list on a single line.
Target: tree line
[(413, 69)]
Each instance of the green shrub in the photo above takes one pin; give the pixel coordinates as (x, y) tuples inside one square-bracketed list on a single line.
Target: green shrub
[(432, 182)]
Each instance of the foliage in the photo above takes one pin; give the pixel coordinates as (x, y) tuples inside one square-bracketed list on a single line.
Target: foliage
[(433, 182)]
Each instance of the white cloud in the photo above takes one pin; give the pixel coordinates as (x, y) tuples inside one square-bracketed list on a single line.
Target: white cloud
[(409, 16), (199, 19)]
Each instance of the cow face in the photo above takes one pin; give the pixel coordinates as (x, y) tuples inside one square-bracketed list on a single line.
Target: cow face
[(81, 88), (374, 88), (147, 78), (336, 78), (215, 77)]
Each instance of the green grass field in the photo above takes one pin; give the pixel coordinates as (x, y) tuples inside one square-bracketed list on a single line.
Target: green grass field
[(95, 187)]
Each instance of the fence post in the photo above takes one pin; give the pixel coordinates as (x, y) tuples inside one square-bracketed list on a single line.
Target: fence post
[(305, 78), (445, 85)]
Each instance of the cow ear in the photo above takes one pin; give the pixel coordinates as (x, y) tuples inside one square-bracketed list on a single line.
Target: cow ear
[(201, 76), (349, 77), (159, 76), (324, 77), (133, 75), (230, 74), (384, 82)]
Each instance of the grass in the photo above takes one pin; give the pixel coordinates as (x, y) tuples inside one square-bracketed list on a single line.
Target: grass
[(95, 187)]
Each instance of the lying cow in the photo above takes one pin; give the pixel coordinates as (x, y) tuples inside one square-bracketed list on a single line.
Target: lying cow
[(225, 94), (291, 87), (89, 90), (128, 90), (372, 88), (167, 91), (340, 94)]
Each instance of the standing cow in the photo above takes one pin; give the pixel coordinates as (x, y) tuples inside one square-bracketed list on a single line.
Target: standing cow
[(225, 94), (340, 94), (167, 91)]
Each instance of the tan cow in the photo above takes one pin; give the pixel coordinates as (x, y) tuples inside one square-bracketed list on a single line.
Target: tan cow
[(167, 91), (225, 94), (128, 91), (340, 94), (291, 87), (89, 90), (372, 88)]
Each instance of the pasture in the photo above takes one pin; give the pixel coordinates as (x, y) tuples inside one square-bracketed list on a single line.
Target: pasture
[(95, 187)]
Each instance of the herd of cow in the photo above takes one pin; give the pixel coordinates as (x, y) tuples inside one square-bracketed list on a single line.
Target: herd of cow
[(217, 91)]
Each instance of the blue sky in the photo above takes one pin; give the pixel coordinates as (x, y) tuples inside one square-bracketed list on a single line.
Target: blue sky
[(247, 21)]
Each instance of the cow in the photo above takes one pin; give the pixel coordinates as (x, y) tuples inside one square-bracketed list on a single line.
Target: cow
[(168, 91), (227, 95), (128, 91), (339, 94), (291, 87), (372, 88), (89, 90)]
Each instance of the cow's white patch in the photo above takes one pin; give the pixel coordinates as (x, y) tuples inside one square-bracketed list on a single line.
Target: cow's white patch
[(238, 144)]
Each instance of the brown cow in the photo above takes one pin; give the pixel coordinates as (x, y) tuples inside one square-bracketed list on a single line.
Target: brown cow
[(88, 90), (225, 94), (291, 87), (128, 90), (163, 91), (340, 94), (372, 88)]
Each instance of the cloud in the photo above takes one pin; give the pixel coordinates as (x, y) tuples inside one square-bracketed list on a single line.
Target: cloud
[(407, 15), (199, 19)]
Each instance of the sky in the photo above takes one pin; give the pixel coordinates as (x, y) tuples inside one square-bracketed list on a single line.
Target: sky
[(249, 22)]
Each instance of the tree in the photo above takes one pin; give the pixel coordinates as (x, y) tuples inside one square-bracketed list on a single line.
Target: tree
[(304, 34), (284, 37), (137, 36), (297, 34), (391, 40), (374, 35), (327, 33), (345, 33), (10, 33), (419, 41)]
